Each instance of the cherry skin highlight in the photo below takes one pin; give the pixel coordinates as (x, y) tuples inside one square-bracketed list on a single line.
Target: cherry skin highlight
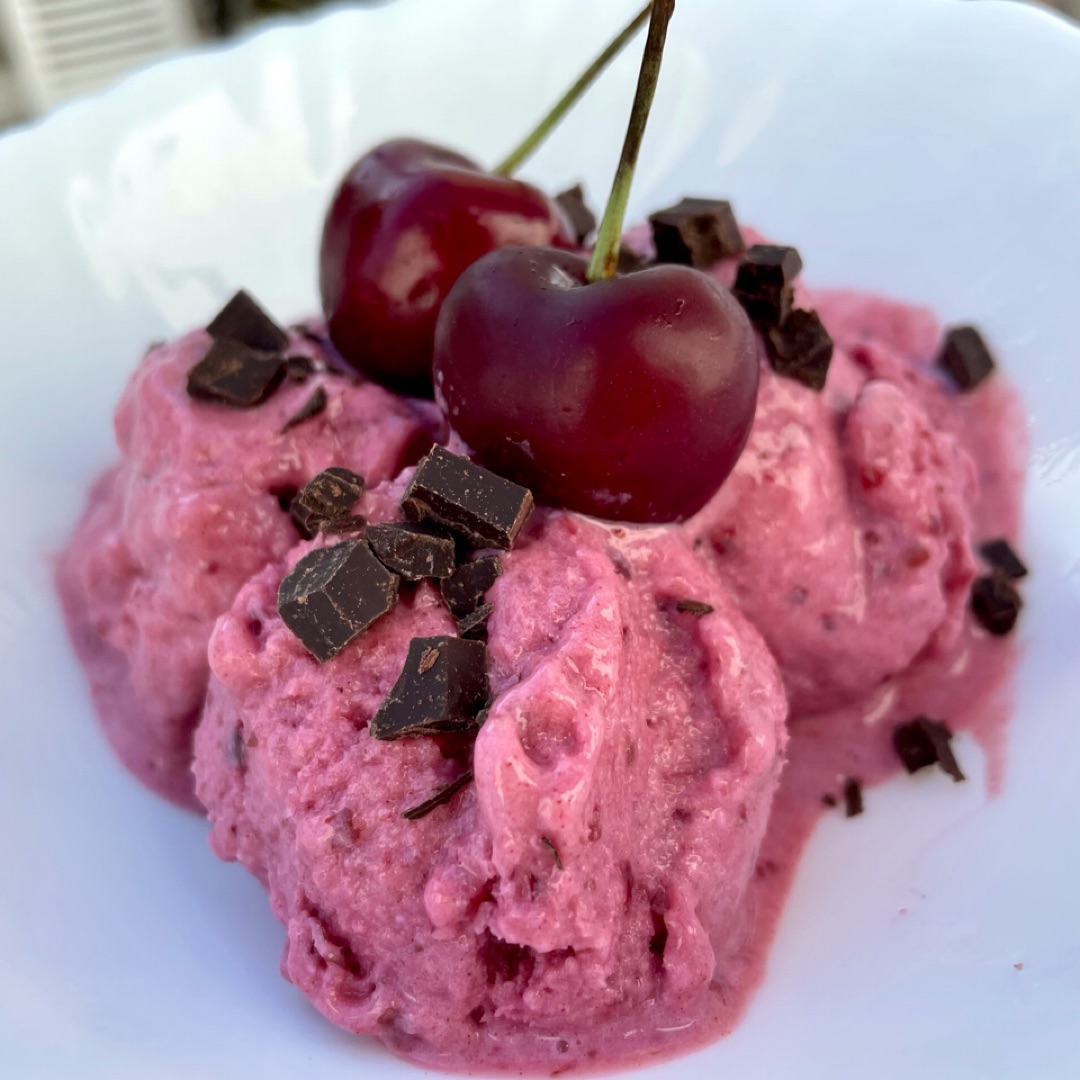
[(406, 220), (629, 398)]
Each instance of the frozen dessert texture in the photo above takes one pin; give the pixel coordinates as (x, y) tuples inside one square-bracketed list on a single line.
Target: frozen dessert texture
[(577, 894), (195, 508)]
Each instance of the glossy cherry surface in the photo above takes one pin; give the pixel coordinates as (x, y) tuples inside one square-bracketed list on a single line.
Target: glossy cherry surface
[(405, 222), (629, 398)]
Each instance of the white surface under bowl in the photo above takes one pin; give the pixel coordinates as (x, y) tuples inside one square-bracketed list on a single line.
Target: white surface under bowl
[(928, 148)]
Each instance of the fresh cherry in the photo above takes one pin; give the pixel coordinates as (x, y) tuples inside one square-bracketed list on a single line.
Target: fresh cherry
[(407, 219), (629, 398)]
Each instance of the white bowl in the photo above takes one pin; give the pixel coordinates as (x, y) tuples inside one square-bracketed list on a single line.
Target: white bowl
[(927, 148)]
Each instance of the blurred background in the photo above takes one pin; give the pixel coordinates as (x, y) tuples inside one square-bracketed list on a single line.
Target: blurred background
[(52, 50)]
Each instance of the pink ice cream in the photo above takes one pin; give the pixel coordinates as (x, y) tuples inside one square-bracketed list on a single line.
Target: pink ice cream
[(577, 896), (190, 513)]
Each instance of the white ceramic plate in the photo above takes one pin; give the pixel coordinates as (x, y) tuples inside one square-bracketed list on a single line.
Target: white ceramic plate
[(927, 148)]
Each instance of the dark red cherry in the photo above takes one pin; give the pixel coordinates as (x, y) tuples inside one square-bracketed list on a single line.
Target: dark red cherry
[(628, 398), (407, 219)]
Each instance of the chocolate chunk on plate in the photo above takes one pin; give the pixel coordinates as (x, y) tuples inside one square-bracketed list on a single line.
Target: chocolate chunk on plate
[(442, 688), (696, 232), (326, 498), (853, 797), (412, 551), (764, 283), (582, 219), (486, 509), (333, 594), (232, 373), (965, 357), (242, 320), (309, 410), (923, 742), (995, 603), (464, 589), (801, 349), (443, 795), (999, 555)]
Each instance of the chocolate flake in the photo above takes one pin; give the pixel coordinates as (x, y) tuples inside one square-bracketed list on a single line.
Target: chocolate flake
[(474, 625), (549, 844), (485, 508), (299, 368), (923, 742), (334, 593), (242, 320), (853, 800), (1000, 556), (995, 603), (582, 219), (801, 349), (443, 795), (694, 607), (764, 283), (326, 498), (696, 232), (435, 695), (232, 373), (412, 551), (465, 588), (828, 800), (965, 357), (311, 408)]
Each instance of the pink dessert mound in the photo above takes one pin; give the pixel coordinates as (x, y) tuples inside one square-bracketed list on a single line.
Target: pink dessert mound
[(571, 902), (193, 509)]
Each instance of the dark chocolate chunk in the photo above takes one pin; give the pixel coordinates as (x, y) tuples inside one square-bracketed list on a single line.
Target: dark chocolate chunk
[(332, 594), (348, 524), (995, 602), (241, 319), (1000, 555), (630, 262), (582, 219), (853, 801), (443, 795), (326, 498), (412, 551), (694, 607), (311, 408), (966, 357), (486, 509), (696, 232), (801, 349), (299, 368), (474, 625), (923, 742), (550, 845), (233, 374), (464, 589), (442, 688), (764, 284)]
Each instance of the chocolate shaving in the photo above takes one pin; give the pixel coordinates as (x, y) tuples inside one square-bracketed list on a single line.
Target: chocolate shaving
[(764, 283), (474, 625), (801, 349), (465, 588), (923, 742), (999, 555), (242, 320), (554, 851), (582, 219), (486, 509), (853, 800), (694, 607), (995, 603), (333, 594), (325, 499), (299, 368), (696, 232), (442, 688), (412, 551), (828, 800), (232, 373), (443, 795), (965, 357), (311, 408)]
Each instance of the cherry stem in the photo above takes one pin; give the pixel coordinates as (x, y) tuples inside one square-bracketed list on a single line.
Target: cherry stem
[(546, 126), (605, 257)]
